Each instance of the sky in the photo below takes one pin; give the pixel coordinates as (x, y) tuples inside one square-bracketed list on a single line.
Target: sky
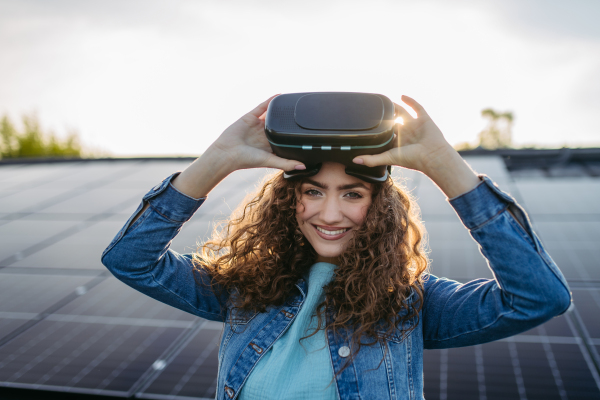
[(150, 77)]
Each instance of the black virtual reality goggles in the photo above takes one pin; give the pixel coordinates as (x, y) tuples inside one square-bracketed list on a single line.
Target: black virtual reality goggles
[(331, 126)]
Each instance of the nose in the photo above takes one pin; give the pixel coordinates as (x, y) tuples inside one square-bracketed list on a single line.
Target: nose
[(332, 211)]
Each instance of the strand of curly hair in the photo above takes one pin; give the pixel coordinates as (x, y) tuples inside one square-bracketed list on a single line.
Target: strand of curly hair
[(377, 289)]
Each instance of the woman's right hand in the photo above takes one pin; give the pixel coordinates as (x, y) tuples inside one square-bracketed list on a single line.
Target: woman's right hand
[(244, 143)]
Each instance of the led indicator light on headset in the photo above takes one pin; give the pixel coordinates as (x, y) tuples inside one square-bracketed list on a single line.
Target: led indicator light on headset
[(309, 147)]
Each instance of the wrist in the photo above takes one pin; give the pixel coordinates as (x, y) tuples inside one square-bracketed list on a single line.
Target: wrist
[(200, 177), (439, 159), (451, 173)]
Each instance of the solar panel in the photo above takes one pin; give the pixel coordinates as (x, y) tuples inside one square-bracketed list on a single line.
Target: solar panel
[(588, 308), (91, 358), (191, 372), (573, 246), (68, 325), (78, 250), (118, 303), (9, 323), (561, 196), (21, 237), (22, 294), (509, 370)]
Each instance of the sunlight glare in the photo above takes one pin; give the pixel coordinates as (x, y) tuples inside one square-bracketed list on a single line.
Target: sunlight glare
[(400, 120)]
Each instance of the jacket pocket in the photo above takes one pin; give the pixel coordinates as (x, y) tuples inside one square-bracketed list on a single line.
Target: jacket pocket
[(400, 333), (238, 316), (403, 329)]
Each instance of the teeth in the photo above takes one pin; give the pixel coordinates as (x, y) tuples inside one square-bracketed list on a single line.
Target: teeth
[(332, 233)]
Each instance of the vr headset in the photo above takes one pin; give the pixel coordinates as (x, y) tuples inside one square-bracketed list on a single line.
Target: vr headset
[(331, 126)]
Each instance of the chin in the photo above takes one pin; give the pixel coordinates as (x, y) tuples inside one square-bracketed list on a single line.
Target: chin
[(327, 253)]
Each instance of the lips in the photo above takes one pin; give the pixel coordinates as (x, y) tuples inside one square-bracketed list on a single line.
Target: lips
[(331, 232)]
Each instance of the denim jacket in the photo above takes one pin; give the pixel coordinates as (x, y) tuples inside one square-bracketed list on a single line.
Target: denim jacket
[(528, 290)]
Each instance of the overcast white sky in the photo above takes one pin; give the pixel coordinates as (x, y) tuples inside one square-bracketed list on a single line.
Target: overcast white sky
[(149, 77)]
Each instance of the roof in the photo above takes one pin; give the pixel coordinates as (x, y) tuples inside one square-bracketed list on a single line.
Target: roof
[(67, 325)]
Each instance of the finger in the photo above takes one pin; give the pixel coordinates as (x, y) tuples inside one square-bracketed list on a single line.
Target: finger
[(281, 163), (262, 107), (414, 105), (401, 112), (374, 160)]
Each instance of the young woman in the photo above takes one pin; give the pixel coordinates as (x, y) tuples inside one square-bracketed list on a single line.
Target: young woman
[(321, 282)]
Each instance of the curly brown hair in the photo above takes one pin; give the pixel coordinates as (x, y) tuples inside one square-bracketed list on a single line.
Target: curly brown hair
[(377, 287)]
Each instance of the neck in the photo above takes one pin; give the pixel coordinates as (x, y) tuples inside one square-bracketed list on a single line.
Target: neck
[(330, 260)]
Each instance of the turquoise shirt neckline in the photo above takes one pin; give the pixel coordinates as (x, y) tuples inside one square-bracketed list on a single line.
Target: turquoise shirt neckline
[(294, 369)]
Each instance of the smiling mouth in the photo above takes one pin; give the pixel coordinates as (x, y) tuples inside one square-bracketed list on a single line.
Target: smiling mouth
[(332, 233)]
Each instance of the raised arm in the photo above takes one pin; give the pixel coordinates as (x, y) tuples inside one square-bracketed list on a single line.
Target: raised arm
[(140, 256), (528, 288)]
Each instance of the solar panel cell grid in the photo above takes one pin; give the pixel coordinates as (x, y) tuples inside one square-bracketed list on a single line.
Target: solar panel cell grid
[(193, 233), (459, 264), (501, 380), (20, 237), (79, 250), (22, 176), (34, 294), (561, 196), (558, 326), (29, 200), (9, 325), (193, 372), (574, 372), (588, 308), (113, 299), (102, 337), (89, 356), (97, 200)]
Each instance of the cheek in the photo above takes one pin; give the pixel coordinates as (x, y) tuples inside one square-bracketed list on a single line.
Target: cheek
[(301, 215), (359, 213), (304, 212)]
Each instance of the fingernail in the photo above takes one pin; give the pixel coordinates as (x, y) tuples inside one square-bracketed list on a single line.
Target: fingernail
[(300, 166), (358, 161)]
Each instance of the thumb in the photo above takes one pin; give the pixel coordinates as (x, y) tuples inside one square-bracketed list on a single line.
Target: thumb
[(375, 160), (281, 163)]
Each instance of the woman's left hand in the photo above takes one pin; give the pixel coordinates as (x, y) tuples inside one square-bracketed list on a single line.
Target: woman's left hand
[(421, 146)]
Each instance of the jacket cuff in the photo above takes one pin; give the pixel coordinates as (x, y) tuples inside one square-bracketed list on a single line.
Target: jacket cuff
[(171, 203), (481, 203)]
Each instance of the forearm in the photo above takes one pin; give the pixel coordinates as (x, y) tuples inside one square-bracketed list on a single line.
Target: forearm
[(204, 174), (450, 173)]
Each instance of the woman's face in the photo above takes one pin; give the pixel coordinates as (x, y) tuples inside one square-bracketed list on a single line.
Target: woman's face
[(332, 206)]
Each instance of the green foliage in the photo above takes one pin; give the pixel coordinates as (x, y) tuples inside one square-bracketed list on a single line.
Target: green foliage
[(498, 133), (32, 141)]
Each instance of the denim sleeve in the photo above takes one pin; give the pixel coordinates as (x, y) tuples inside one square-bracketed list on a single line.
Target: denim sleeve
[(528, 288), (140, 256)]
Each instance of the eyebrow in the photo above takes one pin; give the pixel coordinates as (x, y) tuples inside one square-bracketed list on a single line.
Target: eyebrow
[(341, 187)]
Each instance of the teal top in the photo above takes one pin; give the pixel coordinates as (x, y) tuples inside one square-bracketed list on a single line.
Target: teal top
[(294, 370)]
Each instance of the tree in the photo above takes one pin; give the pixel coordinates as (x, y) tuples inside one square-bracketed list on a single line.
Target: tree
[(498, 132), (34, 142)]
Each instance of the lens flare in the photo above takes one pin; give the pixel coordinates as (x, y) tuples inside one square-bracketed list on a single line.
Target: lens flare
[(400, 121)]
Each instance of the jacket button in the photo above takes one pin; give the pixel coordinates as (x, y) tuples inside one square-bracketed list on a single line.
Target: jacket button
[(344, 351)]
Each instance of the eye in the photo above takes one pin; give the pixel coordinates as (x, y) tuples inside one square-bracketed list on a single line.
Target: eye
[(354, 195), (312, 192)]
